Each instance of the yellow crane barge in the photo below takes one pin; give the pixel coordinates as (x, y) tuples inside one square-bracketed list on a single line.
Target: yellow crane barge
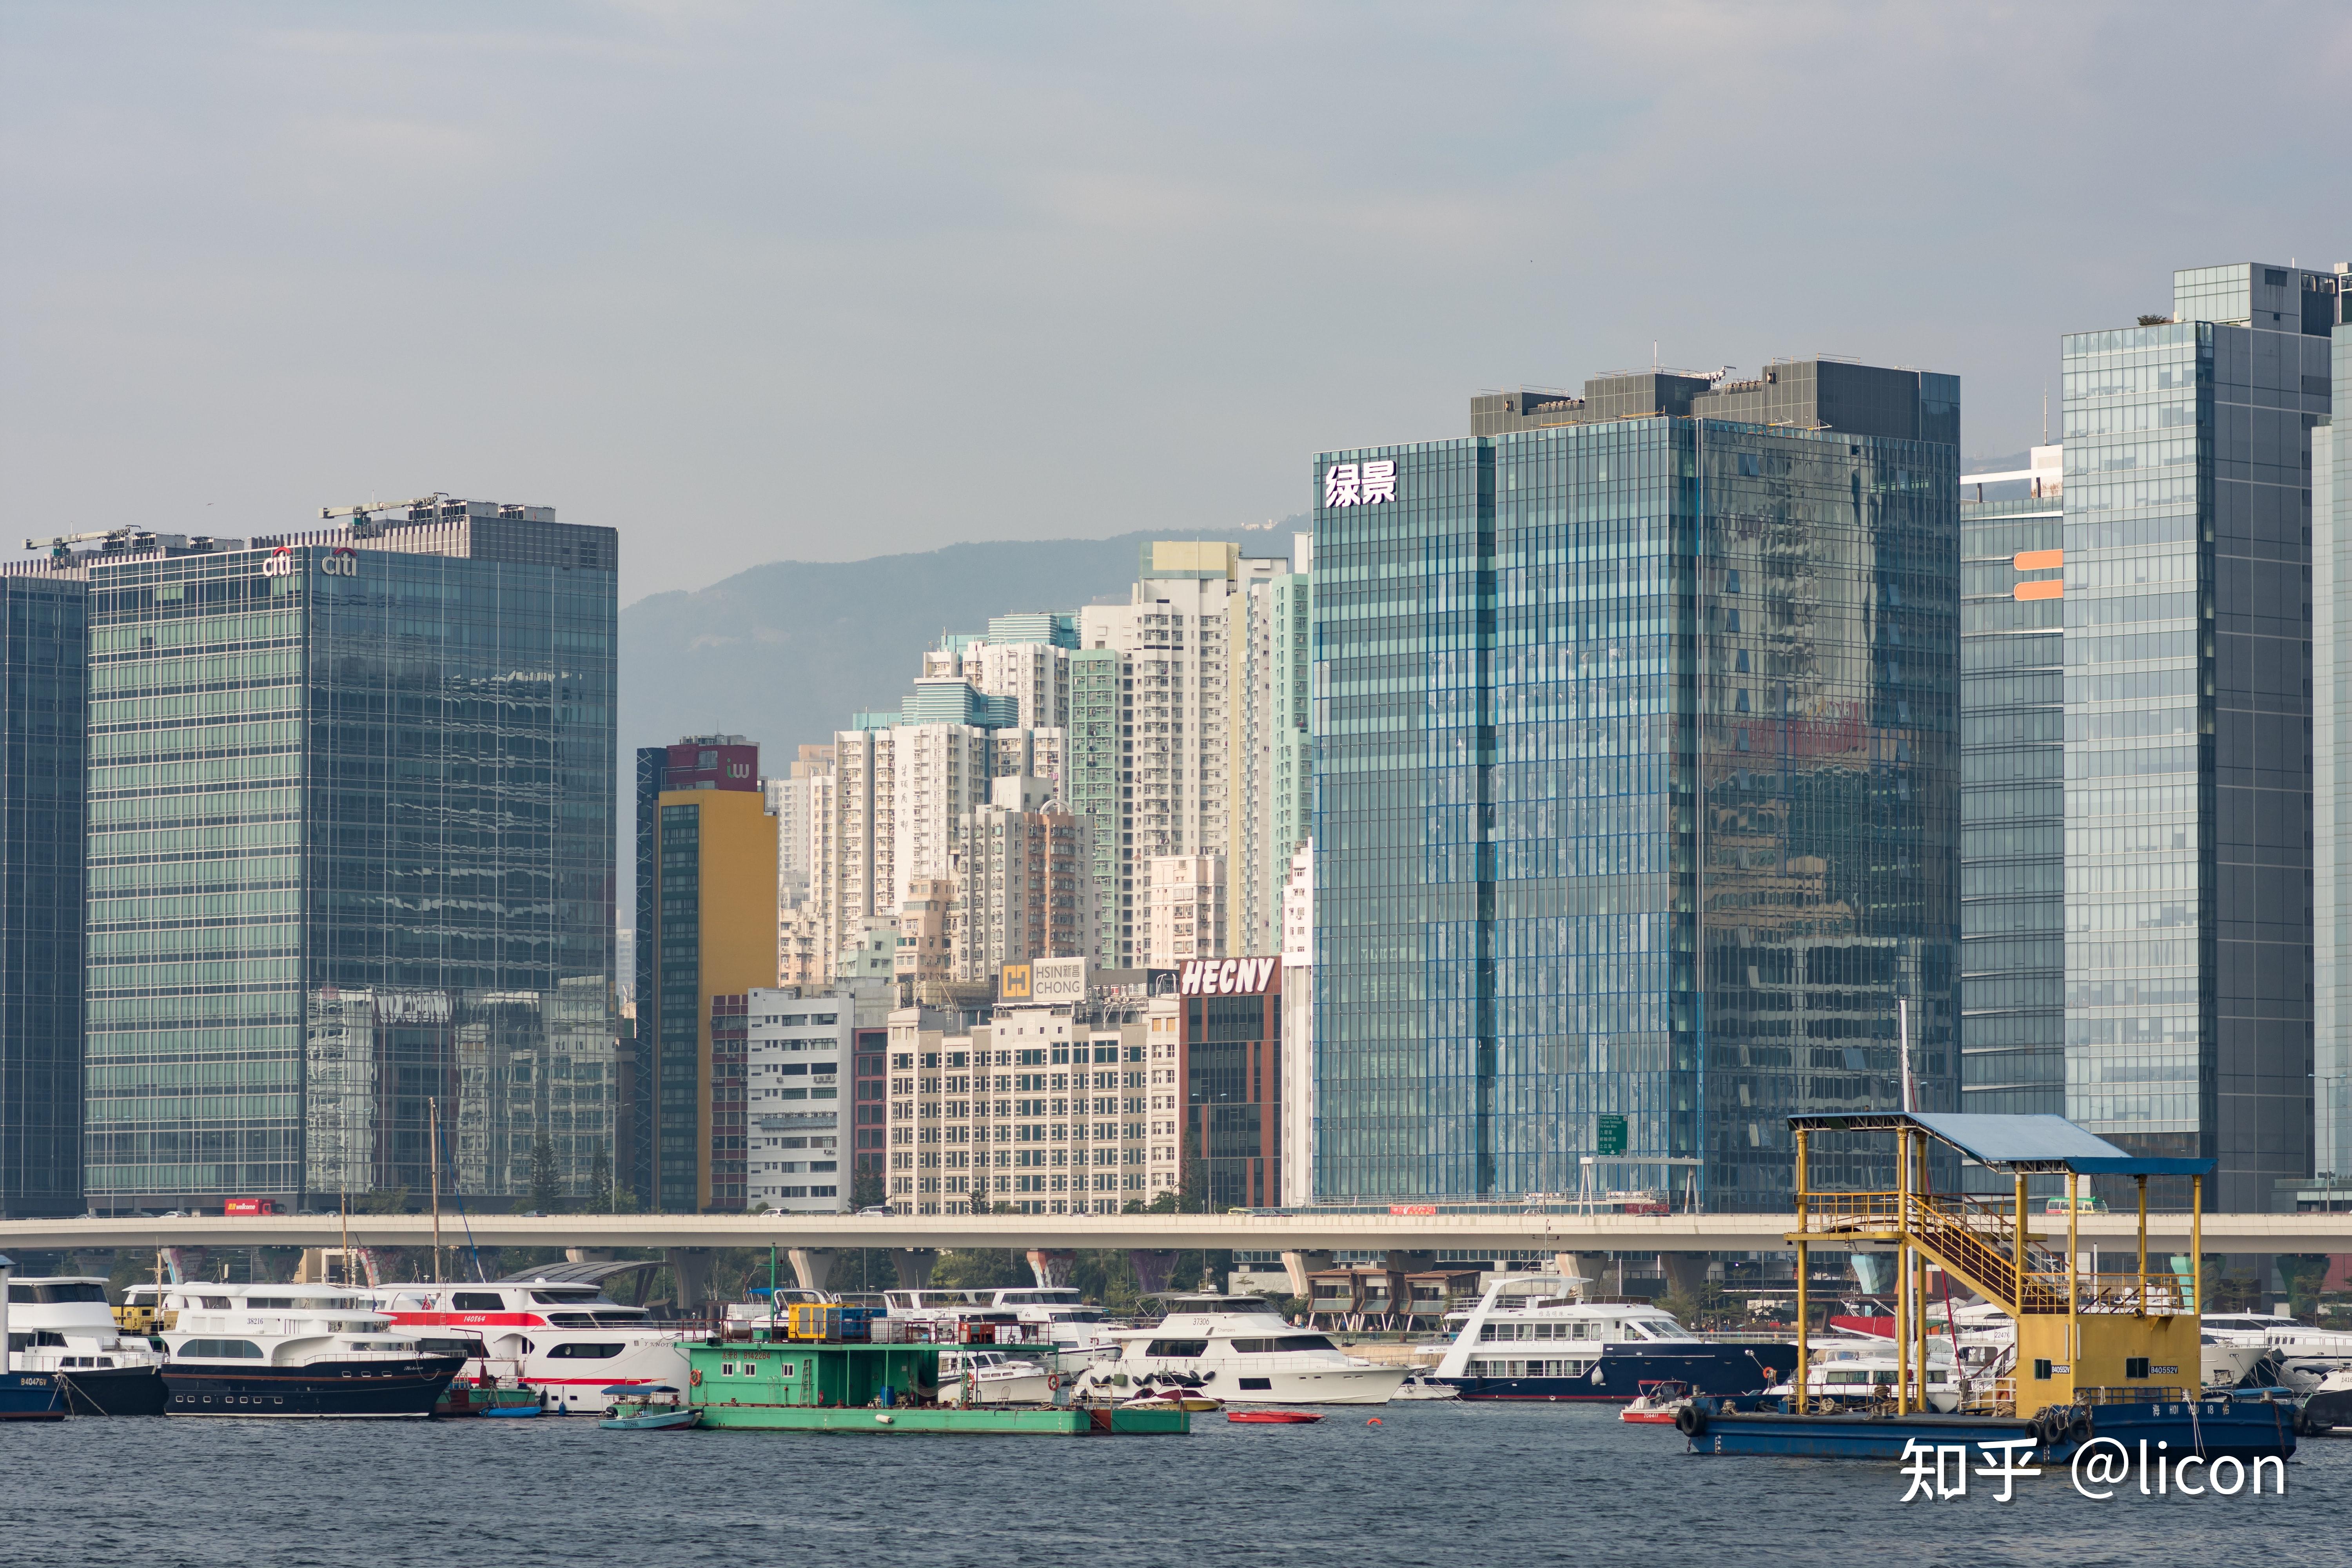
[(2097, 1355)]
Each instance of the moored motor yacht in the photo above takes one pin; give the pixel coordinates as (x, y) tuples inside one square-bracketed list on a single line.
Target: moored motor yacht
[(567, 1340), (1240, 1350), (1059, 1315), (1862, 1369), (979, 1376), (1531, 1337), (288, 1351), (2303, 1356), (62, 1325)]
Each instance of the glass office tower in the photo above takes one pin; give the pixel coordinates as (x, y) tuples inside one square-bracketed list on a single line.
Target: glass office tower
[(2331, 605), (43, 686), (2189, 744), (351, 861), (2012, 797), (1636, 784)]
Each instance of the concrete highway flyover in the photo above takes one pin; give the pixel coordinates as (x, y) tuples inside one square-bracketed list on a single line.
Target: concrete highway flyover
[(1473, 1229)]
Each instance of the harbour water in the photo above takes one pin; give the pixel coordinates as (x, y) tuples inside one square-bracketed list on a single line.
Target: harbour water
[(1431, 1484)]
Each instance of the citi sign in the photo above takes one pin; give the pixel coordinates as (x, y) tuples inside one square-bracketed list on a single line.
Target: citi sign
[(1226, 976), (340, 562)]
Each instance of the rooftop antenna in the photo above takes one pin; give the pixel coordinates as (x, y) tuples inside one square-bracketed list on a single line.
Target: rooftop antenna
[(2046, 414)]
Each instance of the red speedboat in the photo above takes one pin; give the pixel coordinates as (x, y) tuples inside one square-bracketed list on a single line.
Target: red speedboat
[(1273, 1417)]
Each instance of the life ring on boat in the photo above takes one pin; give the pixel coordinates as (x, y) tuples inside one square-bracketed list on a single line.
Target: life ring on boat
[(1691, 1421), (1053, 1381), (694, 1378)]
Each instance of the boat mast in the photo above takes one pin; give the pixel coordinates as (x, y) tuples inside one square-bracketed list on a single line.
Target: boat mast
[(433, 1108)]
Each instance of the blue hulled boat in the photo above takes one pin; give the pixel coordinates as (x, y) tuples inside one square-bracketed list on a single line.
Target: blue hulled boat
[(1531, 1338)]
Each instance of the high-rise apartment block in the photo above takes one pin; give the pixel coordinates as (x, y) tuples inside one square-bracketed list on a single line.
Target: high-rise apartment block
[(1023, 880), (2012, 792), (1269, 768), (44, 698), (706, 930), (1100, 785), (1187, 896), (1039, 1108), (889, 811), (349, 860), (2189, 751), (1637, 781), (1174, 714), (797, 1061)]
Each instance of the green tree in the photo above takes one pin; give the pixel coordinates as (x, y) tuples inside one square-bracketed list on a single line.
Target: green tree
[(980, 1269), (395, 1201), (1192, 1195), (546, 1185), (866, 1190), (600, 1180), (1162, 1202)]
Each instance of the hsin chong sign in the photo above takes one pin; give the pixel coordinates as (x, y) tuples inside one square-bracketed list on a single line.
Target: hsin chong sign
[(1229, 977)]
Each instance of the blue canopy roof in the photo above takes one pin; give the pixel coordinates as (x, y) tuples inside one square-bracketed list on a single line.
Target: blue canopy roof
[(2029, 1143)]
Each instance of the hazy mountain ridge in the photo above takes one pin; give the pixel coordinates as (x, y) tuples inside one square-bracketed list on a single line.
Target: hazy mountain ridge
[(783, 654)]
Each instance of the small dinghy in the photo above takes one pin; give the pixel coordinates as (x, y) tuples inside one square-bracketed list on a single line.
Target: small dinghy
[(1658, 1403), (637, 1408), (1272, 1417)]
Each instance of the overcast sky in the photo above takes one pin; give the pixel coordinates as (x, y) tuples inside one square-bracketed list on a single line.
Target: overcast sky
[(760, 282)]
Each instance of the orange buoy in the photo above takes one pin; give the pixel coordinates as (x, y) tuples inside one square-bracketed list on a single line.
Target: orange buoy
[(1373, 1422)]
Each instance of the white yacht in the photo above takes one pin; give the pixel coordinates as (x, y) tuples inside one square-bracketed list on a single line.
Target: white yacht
[(567, 1340), (1861, 1368), (2302, 1355), (1059, 1314), (978, 1375), (1239, 1350), (291, 1350), (62, 1325), (1531, 1337)]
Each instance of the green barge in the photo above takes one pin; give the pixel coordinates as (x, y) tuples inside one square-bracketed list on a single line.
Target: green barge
[(781, 1385)]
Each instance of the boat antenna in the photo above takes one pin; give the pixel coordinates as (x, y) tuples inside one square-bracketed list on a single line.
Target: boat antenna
[(433, 1109), (1903, 1044)]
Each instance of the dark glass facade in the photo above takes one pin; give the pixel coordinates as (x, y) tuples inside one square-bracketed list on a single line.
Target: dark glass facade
[(1232, 1095), (1636, 762), (2012, 809), (2189, 737), (43, 679), (350, 859)]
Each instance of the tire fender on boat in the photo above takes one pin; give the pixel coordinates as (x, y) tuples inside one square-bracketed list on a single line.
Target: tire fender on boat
[(1691, 1421)]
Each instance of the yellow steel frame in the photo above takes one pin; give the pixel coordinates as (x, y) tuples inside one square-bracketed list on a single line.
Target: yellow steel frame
[(2087, 1324)]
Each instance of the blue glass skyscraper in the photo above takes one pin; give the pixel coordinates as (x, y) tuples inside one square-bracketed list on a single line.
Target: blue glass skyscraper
[(43, 677), (2188, 533), (350, 860), (1636, 781)]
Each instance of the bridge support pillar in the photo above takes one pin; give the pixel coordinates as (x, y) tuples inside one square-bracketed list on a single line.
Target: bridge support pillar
[(913, 1265), (1298, 1266), (1686, 1271), (1152, 1266), (1052, 1265), (690, 1267), (811, 1265), (588, 1255), (1585, 1266)]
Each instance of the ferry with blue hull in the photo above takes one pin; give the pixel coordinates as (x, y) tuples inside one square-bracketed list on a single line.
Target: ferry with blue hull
[(2260, 1425), (1531, 1338)]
